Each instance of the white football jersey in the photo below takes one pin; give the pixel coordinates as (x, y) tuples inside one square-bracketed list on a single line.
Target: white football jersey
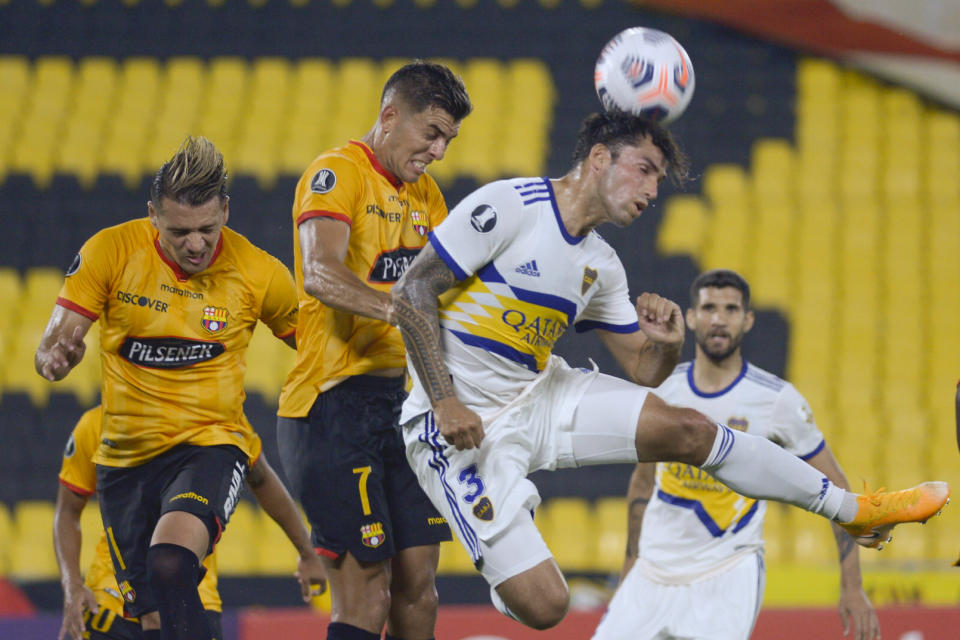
[(522, 280), (694, 525)]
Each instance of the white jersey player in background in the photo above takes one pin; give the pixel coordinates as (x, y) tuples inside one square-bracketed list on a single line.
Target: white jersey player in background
[(700, 571), (515, 264)]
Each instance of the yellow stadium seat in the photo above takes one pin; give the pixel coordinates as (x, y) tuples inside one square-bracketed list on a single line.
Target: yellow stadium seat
[(527, 117), (15, 78), (454, 560), (610, 534), (225, 100), (6, 539), (47, 104), (265, 374), (126, 131), (477, 151), (91, 529), (773, 170), (79, 150), (726, 185), (771, 274), (305, 130), (356, 100), (729, 240), (40, 288), (568, 532), (778, 533), (275, 553), (237, 550), (31, 555), (262, 121), (684, 226), (813, 541), (818, 77), (183, 93)]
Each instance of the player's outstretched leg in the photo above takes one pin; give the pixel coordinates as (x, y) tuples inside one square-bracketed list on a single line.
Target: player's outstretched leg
[(757, 468)]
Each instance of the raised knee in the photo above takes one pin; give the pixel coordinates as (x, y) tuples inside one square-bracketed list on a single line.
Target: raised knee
[(549, 608), (552, 612), (695, 436)]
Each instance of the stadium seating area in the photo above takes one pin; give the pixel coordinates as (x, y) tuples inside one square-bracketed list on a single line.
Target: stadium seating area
[(846, 220), (103, 116)]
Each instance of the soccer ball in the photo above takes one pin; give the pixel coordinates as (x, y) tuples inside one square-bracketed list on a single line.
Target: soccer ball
[(644, 72)]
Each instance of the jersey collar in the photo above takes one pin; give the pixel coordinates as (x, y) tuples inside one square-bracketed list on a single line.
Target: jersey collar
[(704, 394), (394, 180), (177, 271)]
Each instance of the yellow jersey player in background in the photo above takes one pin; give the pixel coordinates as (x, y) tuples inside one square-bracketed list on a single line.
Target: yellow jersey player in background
[(361, 214), (177, 295), (92, 603)]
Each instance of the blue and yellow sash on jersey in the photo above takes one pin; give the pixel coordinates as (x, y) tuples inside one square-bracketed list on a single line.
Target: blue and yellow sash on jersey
[(521, 325)]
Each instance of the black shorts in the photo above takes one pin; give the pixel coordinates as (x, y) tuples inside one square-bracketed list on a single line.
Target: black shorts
[(204, 481), (107, 625), (347, 465)]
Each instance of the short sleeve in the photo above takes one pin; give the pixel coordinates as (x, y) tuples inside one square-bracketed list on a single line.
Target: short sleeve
[(77, 470), (86, 286), (793, 425), (331, 187), (610, 308), (478, 229), (280, 305)]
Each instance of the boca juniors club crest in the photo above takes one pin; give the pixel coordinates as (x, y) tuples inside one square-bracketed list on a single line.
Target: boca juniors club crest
[(483, 509), (214, 319), (419, 222), (589, 277), (371, 535)]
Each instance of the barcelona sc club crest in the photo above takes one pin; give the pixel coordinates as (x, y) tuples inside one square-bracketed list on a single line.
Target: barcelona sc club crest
[(214, 319), (419, 219), (371, 535)]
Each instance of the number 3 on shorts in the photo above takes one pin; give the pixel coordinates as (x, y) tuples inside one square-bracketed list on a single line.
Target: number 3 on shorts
[(469, 476), (364, 473)]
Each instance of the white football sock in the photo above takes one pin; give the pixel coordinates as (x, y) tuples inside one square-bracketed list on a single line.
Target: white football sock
[(757, 468)]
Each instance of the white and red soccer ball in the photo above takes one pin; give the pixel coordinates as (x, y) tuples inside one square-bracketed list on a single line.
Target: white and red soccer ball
[(644, 72)]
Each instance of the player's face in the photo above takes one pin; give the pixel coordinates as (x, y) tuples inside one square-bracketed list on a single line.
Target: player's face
[(630, 183), (414, 140), (189, 235), (719, 321)]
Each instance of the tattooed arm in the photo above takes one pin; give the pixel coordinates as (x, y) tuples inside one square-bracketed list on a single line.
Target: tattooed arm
[(415, 302), (854, 605)]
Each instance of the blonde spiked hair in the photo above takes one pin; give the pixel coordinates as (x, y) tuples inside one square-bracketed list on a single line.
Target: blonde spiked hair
[(193, 176)]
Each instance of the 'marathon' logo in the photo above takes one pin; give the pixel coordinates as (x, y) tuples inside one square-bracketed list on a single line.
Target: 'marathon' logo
[(168, 353)]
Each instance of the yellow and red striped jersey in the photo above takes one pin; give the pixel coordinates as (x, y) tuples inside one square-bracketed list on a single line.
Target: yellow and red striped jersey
[(389, 222), (172, 346), (78, 473)]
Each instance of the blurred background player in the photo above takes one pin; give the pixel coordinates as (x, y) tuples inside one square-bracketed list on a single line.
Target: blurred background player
[(178, 296), (92, 604), (361, 214), (701, 572)]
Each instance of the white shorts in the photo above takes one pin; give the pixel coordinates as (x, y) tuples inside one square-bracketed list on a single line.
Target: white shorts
[(566, 418), (722, 607)]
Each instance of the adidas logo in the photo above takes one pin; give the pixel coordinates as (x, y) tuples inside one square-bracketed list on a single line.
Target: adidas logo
[(529, 269)]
